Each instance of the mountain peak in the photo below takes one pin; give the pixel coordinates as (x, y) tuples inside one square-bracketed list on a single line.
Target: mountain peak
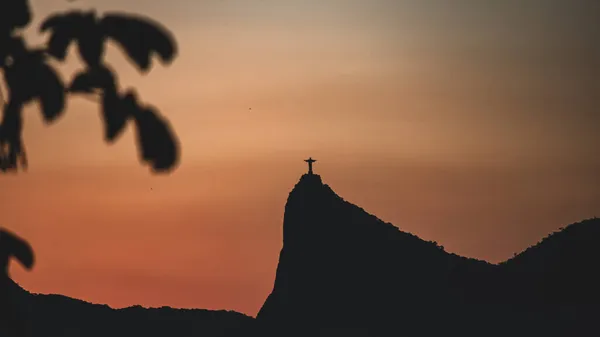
[(343, 267), (310, 178), (331, 248), (308, 184)]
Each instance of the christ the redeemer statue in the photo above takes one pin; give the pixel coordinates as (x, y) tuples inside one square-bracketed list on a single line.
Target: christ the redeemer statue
[(310, 161)]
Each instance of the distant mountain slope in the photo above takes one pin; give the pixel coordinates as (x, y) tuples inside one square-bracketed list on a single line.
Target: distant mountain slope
[(576, 242), (562, 269), (61, 316), (341, 267)]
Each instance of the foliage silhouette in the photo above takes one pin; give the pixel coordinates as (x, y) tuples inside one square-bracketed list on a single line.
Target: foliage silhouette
[(29, 77), (11, 320)]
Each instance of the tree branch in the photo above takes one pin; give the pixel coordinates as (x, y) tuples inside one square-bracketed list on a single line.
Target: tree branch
[(2, 102)]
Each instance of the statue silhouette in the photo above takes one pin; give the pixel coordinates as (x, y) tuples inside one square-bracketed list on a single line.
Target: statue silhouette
[(310, 161)]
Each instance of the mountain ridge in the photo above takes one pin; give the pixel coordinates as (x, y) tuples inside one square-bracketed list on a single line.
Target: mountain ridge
[(59, 315), (343, 271), (340, 264), (135, 306)]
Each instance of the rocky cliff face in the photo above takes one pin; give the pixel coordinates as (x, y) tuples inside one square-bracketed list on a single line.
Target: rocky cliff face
[(342, 269)]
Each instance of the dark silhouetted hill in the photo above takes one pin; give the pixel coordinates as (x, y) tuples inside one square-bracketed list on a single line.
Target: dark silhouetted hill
[(61, 316), (342, 269), (344, 272)]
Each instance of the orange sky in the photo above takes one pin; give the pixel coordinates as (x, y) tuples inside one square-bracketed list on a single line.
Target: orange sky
[(473, 124)]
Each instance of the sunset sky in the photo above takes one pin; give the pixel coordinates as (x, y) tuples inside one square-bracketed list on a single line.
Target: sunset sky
[(471, 123)]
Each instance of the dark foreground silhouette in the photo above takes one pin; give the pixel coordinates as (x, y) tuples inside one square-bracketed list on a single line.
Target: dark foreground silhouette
[(342, 269), (12, 319), (343, 272), (29, 76), (56, 315)]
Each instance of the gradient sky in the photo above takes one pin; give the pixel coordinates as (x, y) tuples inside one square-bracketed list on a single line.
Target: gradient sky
[(471, 123)]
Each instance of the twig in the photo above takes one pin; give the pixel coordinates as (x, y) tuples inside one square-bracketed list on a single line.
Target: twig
[(2, 102)]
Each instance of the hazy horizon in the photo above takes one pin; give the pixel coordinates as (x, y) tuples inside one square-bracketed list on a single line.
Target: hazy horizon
[(471, 123)]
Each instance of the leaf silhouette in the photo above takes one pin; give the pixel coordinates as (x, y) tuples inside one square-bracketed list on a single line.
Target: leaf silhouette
[(78, 26), (11, 143), (51, 93), (84, 82), (19, 74), (58, 44), (30, 77), (140, 38), (91, 44), (115, 113), (12, 245), (3, 50), (15, 14), (92, 78), (13, 46), (65, 29), (156, 141)]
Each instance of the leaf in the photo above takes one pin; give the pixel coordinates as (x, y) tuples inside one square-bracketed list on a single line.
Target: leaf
[(156, 141), (29, 78), (78, 26), (58, 21), (140, 38), (15, 47), (59, 43), (12, 245), (51, 93), (92, 78), (91, 43), (65, 29), (11, 149), (84, 82), (115, 114), (20, 79), (14, 14)]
